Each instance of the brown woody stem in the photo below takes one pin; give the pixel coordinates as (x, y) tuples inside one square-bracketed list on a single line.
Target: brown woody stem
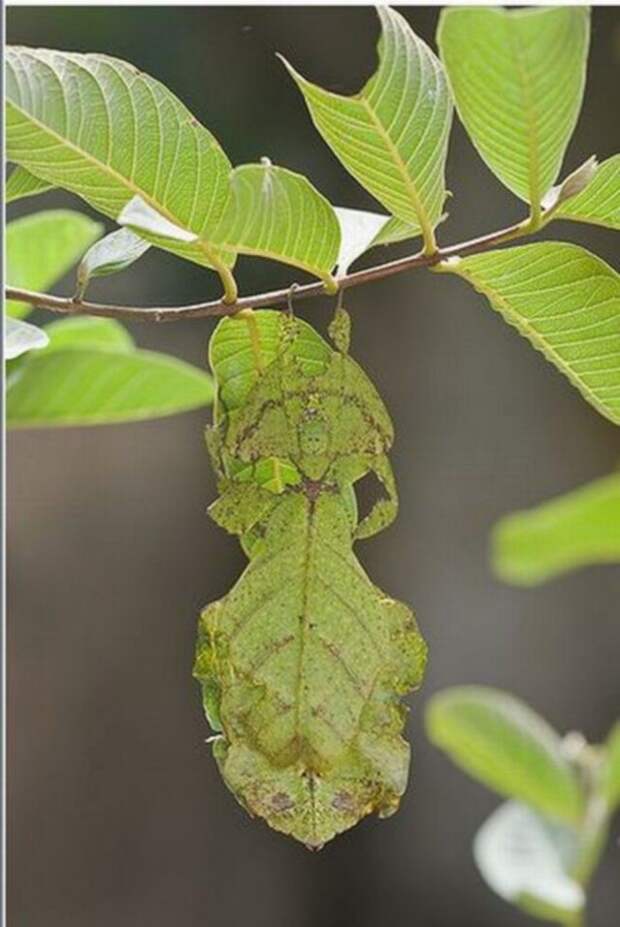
[(73, 306)]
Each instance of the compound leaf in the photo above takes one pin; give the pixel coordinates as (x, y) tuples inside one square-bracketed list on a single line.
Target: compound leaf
[(22, 183), (115, 252), (392, 136), (102, 129), (42, 247), (577, 529), (528, 860), (503, 743), (566, 302), (20, 337), (599, 203), (518, 78)]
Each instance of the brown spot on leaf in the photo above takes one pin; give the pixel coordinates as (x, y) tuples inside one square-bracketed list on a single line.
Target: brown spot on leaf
[(343, 801), (282, 802)]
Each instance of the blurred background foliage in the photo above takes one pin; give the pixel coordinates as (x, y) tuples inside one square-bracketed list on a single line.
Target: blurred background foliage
[(116, 811)]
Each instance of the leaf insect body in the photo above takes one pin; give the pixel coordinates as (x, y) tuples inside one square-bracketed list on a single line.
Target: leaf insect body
[(303, 663)]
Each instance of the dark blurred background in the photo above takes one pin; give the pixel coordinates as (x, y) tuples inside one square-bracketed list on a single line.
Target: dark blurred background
[(117, 815)]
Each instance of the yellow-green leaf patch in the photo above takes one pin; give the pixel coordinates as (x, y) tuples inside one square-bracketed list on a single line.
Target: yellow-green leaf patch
[(579, 528), (104, 130), (503, 743), (599, 203), (393, 135), (42, 247), (566, 302), (518, 78)]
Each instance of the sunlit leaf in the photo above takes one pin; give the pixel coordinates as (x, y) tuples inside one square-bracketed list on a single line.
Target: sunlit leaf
[(575, 183), (93, 386), (358, 230), (570, 531), (566, 302), (392, 136), (22, 183), (143, 216), (599, 203), (503, 743), (528, 859), (42, 247), (101, 128), (115, 252), (397, 230), (361, 230), (20, 337), (518, 78), (275, 213)]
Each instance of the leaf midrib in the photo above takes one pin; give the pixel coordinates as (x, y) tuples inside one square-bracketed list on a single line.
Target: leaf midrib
[(423, 219), (531, 114), (537, 340), (305, 585), (123, 181)]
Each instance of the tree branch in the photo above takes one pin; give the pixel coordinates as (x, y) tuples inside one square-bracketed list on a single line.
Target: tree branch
[(73, 306)]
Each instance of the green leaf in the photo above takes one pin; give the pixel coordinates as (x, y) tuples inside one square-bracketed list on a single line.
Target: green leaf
[(99, 377), (275, 213), (518, 78), (115, 252), (140, 215), (570, 531), (42, 247), (22, 183), (360, 231), (566, 302), (599, 203), (20, 337), (102, 129), (91, 387), (393, 135), (504, 744), (86, 331), (575, 183), (528, 860), (396, 230), (611, 768)]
